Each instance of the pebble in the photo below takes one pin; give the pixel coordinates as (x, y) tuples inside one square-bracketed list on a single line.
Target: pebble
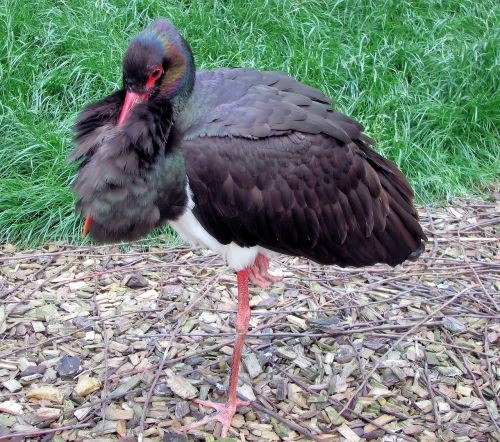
[(32, 372), (68, 365), (136, 281), (344, 354), (175, 437)]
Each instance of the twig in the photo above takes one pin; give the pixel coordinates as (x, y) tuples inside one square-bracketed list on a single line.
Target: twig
[(46, 431), (338, 404), (411, 330), (491, 375), (476, 387), (105, 390), (181, 315), (23, 296), (437, 418), (28, 280), (277, 416)]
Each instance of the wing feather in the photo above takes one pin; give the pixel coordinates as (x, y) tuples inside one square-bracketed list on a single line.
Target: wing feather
[(271, 164)]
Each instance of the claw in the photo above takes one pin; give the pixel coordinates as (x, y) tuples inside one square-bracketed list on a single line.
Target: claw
[(225, 414)]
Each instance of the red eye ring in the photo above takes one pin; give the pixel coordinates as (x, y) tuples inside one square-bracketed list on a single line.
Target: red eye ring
[(156, 73), (153, 76)]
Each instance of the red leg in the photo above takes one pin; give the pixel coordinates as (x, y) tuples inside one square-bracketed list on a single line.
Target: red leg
[(225, 412), (259, 273)]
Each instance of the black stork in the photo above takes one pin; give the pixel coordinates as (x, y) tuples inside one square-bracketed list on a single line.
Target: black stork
[(242, 162)]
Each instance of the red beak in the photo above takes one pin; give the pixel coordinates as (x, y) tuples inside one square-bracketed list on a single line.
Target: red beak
[(86, 226), (131, 99)]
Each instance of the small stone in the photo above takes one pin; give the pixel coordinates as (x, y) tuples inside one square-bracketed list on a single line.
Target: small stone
[(21, 330), (118, 347), (344, 354), (68, 365), (413, 429), (128, 384), (6, 421), (162, 389), (12, 385), (458, 429), (136, 281), (23, 364), (374, 344), (286, 353), (425, 405), (299, 322), (443, 407), (238, 421), (463, 390), (49, 376), (324, 322), (121, 430), (209, 317)]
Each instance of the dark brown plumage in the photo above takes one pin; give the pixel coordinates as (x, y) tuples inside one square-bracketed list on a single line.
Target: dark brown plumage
[(269, 164), (240, 161)]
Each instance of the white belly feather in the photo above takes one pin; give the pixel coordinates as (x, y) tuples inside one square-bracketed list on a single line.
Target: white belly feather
[(191, 230)]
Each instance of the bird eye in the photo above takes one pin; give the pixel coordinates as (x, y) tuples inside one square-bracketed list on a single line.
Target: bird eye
[(156, 73)]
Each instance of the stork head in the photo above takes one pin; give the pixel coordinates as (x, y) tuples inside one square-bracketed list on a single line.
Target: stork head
[(158, 64)]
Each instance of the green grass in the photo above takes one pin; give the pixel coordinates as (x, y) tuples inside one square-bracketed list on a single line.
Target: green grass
[(423, 76)]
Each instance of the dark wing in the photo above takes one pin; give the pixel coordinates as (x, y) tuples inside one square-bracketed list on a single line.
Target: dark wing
[(281, 170)]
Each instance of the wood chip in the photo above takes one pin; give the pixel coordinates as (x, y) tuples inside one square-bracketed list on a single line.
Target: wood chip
[(182, 387), (12, 385), (47, 393), (87, 385), (350, 435), (403, 345), (11, 407)]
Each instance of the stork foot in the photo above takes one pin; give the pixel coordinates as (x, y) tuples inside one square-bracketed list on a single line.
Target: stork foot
[(259, 273), (225, 414)]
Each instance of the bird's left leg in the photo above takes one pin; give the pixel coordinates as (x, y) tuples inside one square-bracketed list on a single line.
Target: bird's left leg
[(259, 272), (225, 412)]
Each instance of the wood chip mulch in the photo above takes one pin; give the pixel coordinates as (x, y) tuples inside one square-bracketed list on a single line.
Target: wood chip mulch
[(112, 343)]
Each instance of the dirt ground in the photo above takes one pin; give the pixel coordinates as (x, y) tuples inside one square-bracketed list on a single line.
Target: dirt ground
[(112, 343)]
